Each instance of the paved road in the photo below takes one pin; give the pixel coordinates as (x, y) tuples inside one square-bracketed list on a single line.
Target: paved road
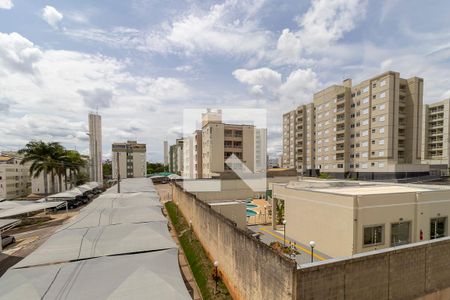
[(268, 235)]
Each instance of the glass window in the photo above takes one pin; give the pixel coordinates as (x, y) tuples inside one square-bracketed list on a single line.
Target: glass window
[(373, 235), (382, 106), (400, 233), (383, 83), (438, 228), (382, 130), (382, 118)]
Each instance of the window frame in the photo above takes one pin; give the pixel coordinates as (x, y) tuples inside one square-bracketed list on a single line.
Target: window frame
[(383, 233)]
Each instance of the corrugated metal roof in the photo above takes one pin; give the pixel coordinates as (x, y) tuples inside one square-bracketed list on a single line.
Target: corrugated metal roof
[(150, 275)]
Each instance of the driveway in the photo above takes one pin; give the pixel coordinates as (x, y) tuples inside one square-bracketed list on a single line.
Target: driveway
[(268, 235)]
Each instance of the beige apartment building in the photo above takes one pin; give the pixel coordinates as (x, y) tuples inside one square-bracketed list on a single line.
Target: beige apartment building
[(371, 130), (349, 217), (95, 148), (130, 159), (15, 178), (220, 141), (435, 136)]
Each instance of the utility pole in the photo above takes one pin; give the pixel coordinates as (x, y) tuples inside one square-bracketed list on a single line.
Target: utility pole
[(118, 173)]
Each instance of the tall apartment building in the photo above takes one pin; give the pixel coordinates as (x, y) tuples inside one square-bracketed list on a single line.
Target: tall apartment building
[(166, 153), (131, 158), (260, 149), (192, 155), (371, 130), (220, 141), (95, 148), (436, 136), (176, 157), (15, 178), (298, 139)]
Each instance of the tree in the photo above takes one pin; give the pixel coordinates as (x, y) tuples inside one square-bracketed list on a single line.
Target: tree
[(107, 169), (41, 156), (156, 168), (74, 162)]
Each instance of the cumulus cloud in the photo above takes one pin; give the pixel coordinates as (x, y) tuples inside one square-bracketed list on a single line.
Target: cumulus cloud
[(51, 16), (17, 54), (299, 85), (74, 83), (6, 4), (229, 28), (325, 22)]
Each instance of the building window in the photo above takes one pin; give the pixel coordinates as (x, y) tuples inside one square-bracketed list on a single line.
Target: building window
[(383, 83), (381, 130), (373, 235), (400, 233), (438, 228), (365, 89), (381, 142), (382, 106), (382, 95), (382, 118)]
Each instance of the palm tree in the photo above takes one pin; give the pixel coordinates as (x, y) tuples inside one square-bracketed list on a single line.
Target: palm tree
[(41, 156), (73, 163)]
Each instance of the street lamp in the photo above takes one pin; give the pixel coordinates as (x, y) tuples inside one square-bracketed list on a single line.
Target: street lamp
[(284, 233), (216, 274), (312, 244)]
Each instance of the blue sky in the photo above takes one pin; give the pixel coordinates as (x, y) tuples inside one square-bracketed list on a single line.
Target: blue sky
[(142, 62)]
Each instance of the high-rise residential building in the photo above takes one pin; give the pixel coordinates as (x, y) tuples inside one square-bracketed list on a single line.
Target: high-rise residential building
[(435, 136), (130, 159), (166, 153), (298, 139), (176, 157), (371, 130), (15, 178), (220, 141), (95, 148), (192, 155), (260, 149)]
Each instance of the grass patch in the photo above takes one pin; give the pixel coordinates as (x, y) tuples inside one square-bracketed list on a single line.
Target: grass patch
[(202, 268)]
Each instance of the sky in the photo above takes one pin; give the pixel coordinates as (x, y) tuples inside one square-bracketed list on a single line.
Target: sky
[(141, 63)]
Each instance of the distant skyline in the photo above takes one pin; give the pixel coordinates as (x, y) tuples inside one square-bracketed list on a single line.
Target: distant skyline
[(140, 63)]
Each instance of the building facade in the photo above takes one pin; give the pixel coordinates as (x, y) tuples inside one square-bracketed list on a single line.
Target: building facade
[(166, 153), (129, 159), (435, 136), (220, 141), (371, 130), (349, 217), (15, 178), (260, 150), (95, 148)]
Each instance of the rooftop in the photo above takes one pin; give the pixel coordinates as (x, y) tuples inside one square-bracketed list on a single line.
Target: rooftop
[(355, 188)]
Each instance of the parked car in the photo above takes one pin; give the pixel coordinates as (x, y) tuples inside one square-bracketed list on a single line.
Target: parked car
[(8, 240)]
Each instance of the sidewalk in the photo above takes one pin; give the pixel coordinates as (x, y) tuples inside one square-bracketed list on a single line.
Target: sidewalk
[(268, 235)]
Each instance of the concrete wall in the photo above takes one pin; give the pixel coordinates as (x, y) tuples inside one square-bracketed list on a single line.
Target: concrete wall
[(250, 269), (407, 272)]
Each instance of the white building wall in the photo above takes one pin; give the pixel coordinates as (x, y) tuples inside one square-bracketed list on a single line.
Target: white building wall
[(95, 148)]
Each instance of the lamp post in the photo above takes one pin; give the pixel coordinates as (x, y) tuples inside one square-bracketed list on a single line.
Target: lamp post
[(284, 233), (265, 213), (312, 244), (216, 275)]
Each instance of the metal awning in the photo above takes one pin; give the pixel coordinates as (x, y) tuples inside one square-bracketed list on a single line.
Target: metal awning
[(150, 275), (29, 208), (74, 244), (6, 224)]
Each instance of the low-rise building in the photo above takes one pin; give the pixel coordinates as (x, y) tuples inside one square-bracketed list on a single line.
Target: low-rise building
[(15, 179), (348, 217)]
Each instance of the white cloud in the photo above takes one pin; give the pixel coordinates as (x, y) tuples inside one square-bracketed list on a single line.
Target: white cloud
[(229, 28), (259, 79), (299, 85), (325, 22), (17, 54), (49, 98), (6, 4), (51, 16)]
